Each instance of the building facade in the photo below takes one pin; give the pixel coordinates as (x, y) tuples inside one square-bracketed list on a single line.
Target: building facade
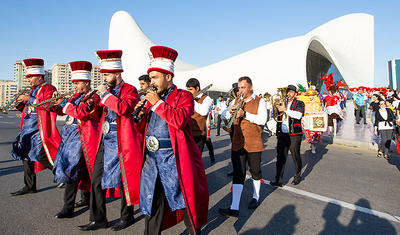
[(8, 89), (61, 77), (394, 73)]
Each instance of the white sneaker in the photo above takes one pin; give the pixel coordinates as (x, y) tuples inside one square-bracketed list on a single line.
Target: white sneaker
[(313, 151)]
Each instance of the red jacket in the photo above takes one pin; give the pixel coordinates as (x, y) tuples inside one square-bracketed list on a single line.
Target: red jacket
[(89, 128), (47, 124), (177, 111), (130, 142)]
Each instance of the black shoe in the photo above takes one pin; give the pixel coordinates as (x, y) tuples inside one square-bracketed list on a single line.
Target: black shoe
[(64, 213), (122, 224), (93, 225), (253, 204), (276, 184), (228, 212), (217, 135), (212, 160), (23, 191), (230, 173), (358, 122), (296, 181), (81, 203)]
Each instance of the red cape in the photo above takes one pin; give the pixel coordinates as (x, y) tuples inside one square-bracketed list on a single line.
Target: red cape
[(89, 127), (47, 125), (130, 142), (177, 111)]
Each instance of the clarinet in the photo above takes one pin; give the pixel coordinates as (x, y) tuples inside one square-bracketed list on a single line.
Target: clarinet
[(136, 112)]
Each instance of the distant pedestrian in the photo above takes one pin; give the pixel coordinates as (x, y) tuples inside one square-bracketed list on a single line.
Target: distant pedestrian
[(360, 103), (384, 123), (221, 106)]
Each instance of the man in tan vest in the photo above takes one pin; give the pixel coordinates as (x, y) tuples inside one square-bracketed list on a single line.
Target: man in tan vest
[(202, 106), (247, 143)]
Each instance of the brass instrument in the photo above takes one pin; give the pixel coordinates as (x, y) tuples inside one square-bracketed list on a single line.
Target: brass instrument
[(137, 111), (144, 90), (231, 94), (279, 99), (13, 102), (90, 94), (202, 91), (232, 119), (48, 103)]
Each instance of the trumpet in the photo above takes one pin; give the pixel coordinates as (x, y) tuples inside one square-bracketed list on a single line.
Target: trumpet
[(13, 102), (90, 94), (137, 111), (202, 91), (47, 103), (144, 90), (280, 100), (233, 118)]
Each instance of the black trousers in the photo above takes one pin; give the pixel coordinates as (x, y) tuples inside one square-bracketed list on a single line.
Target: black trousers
[(29, 170), (153, 223), (98, 195), (210, 148), (219, 120), (71, 189), (286, 143), (360, 110), (200, 141), (239, 159)]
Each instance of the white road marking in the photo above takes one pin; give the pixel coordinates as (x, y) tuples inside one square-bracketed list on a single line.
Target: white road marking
[(339, 203)]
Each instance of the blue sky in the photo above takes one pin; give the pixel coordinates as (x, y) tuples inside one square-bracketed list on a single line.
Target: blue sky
[(203, 32)]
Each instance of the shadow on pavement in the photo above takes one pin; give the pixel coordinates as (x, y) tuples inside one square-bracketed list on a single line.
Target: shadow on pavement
[(361, 223), (310, 159), (11, 160), (47, 188), (395, 160), (10, 170), (283, 222)]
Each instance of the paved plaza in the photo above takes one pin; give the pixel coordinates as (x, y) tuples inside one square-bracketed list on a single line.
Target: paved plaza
[(345, 191)]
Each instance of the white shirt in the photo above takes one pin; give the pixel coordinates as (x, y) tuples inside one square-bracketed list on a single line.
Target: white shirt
[(382, 125), (222, 106), (205, 107), (290, 113), (260, 118)]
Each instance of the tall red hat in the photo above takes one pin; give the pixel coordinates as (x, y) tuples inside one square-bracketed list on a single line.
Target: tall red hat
[(162, 59), (33, 66), (110, 61), (80, 71)]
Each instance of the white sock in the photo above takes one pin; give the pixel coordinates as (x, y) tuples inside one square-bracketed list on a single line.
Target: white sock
[(256, 189), (236, 195)]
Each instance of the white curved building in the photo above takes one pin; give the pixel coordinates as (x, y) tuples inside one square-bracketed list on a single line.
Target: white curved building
[(346, 42)]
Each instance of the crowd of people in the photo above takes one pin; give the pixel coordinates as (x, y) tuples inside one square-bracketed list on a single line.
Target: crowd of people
[(145, 146)]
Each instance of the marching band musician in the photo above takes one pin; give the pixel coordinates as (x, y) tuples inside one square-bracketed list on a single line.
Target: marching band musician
[(117, 158), (80, 139), (312, 105), (289, 133), (173, 183), (247, 144), (38, 141), (202, 107)]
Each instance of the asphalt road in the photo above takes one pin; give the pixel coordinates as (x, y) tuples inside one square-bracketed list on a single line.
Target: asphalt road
[(346, 175)]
